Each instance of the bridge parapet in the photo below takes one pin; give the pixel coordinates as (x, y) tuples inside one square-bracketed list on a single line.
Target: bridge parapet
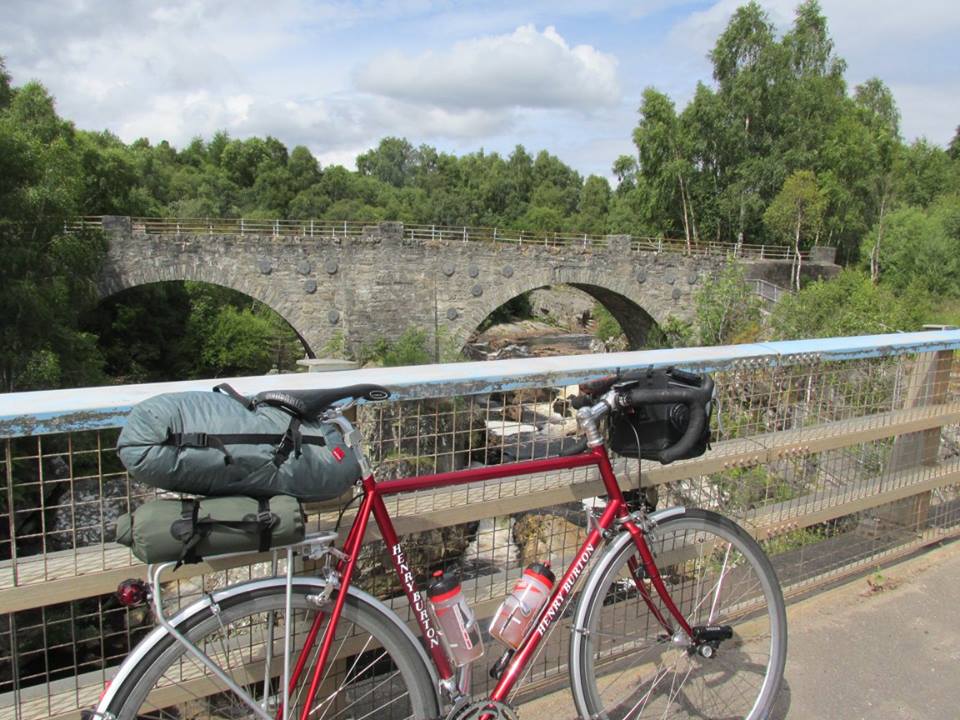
[(836, 453), (365, 282), (176, 227)]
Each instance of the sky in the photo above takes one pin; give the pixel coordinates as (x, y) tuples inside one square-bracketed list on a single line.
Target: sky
[(338, 75)]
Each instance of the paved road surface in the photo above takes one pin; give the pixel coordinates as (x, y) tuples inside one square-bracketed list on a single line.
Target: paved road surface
[(888, 652), (892, 654)]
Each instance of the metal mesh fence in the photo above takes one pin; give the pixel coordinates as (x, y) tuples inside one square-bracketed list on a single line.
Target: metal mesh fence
[(835, 466)]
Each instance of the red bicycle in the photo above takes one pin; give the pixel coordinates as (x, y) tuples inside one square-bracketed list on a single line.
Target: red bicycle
[(680, 614)]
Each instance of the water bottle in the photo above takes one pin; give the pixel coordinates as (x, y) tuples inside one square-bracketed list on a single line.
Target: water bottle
[(521, 607), (454, 620)]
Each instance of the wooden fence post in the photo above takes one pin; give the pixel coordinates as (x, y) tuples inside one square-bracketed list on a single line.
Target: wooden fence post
[(928, 384)]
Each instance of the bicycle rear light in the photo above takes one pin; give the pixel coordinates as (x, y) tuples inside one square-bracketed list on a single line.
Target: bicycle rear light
[(132, 592)]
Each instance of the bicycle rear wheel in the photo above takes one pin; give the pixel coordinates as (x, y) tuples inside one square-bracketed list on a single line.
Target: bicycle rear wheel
[(373, 671), (625, 665)]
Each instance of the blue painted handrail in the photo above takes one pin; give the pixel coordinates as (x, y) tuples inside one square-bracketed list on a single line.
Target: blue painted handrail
[(54, 411)]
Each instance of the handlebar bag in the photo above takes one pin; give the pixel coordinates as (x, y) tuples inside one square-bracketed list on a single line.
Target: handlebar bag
[(648, 430), (221, 443), (191, 529)]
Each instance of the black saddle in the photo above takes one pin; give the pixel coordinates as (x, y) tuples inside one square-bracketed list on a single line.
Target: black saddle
[(308, 404)]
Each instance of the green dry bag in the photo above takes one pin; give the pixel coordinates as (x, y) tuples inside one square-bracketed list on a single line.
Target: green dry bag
[(222, 443), (191, 529)]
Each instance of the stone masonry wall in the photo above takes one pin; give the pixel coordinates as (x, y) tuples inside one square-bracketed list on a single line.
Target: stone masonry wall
[(379, 284)]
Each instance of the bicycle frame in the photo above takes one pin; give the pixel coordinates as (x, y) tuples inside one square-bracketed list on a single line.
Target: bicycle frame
[(374, 493)]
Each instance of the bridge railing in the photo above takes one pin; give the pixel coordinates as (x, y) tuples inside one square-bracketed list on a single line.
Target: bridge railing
[(441, 233), (837, 454), (768, 291)]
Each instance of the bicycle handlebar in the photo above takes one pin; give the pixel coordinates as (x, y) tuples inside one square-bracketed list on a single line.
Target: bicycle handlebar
[(694, 398)]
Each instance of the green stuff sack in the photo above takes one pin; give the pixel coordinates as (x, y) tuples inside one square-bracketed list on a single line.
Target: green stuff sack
[(191, 529), (219, 444)]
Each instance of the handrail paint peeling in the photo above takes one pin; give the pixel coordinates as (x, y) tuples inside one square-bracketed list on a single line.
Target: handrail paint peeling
[(57, 411)]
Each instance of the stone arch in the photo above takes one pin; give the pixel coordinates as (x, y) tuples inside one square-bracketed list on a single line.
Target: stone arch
[(635, 310), (112, 283)]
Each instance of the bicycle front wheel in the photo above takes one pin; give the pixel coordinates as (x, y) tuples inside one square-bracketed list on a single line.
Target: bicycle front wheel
[(373, 670), (625, 664)]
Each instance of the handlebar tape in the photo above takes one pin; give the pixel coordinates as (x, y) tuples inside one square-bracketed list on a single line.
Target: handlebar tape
[(694, 398), (580, 401)]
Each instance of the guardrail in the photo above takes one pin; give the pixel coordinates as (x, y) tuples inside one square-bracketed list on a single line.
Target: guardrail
[(769, 293), (836, 453), (440, 233)]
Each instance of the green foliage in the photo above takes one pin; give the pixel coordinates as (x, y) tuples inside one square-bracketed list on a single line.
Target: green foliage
[(774, 150), (728, 311), (923, 173), (142, 333), (672, 333), (607, 326), (846, 305), (336, 347), (6, 91), (175, 330), (237, 342), (920, 249), (411, 348), (747, 488), (793, 540), (796, 213), (516, 308), (46, 278), (235, 335)]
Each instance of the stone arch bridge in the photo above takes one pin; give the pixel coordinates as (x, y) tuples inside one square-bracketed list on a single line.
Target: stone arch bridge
[(354, 283)]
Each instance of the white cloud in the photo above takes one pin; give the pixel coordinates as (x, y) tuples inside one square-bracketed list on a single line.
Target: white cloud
[(855, 25), (525, 69), (338, 75), (910, 46)]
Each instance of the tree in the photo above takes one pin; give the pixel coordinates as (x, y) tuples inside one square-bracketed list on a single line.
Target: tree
[(273, 190), (47, 277), (920, 250), (110, 178), (594, 204), (953, 150), (809, 45), (241, 160), (728, 311), (141, 333), (237, 342), (849, 304), (6, 89), (625, 168), (664, 159), (797, 210), (877, 100), (303, 167), (750, 68), (923, 172), (392, 162)]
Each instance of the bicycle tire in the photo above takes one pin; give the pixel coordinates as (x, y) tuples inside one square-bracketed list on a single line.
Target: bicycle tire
[(366, 673), (623, 665)]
